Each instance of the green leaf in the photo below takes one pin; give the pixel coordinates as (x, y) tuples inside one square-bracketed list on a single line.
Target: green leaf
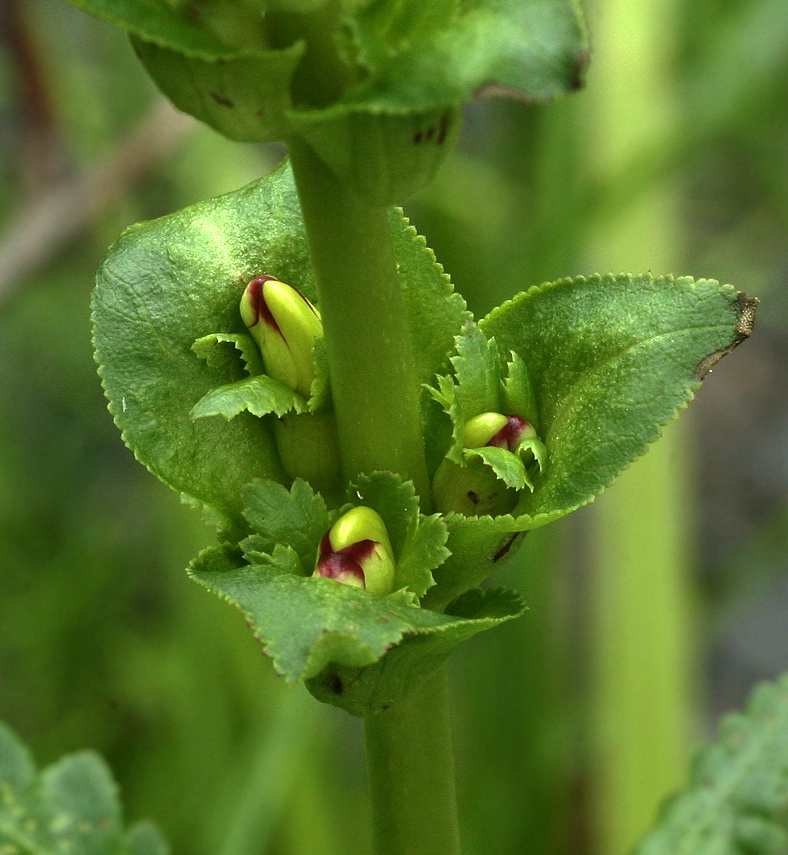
[(210, 348), (171, 281), (376, 687), (507, 466), (72, 806), (477, 369), (242, 93), (312, 626), (258, 395), (296, 518), (425, 56), (737, 799), (476, 546), (477, 385), (613, 360), (419, 543), (417, 64), (519, 398), (423, 553), (158, 22)]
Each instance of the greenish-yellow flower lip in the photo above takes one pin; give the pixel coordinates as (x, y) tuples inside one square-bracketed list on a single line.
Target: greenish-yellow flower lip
[(286, 336), (357, 551)]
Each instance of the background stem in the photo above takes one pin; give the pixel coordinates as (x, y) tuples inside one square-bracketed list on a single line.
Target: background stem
[(367, 339), (411, 774)]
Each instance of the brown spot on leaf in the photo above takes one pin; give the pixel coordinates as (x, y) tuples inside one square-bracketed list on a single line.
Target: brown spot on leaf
[(579, 67), (335, 685), (746, 307), (222, 99), (507, 545), (444, 129)]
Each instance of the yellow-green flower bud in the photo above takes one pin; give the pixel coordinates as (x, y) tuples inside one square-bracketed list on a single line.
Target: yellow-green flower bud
[(473, 490), (356, 551), (495, 429), (285, 325)]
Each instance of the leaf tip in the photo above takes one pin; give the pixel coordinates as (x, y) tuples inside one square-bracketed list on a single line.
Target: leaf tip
[(746, 308)]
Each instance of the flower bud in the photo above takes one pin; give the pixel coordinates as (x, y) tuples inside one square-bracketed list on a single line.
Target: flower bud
[(473, 490), (495, 429), (285, 325), (357, 551)]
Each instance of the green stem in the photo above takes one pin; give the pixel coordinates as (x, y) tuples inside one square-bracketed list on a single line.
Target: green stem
[(411, 774), (376, 396)]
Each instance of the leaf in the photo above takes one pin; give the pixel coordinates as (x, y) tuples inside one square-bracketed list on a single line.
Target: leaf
[(613, 360), (519, 398), (209, 348), (477, 369), (171, 281), (411, 59), (376, 687), (737, 799), (424, 552), (258, 395), (477, 385), (425, 56), (296, 518), (419, 543), (476, 546), (507, 466), (243, 93), (317, 628), (72, 806)]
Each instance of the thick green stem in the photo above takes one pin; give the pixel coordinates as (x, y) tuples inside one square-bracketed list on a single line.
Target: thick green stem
[(376, 396), (411, 774)]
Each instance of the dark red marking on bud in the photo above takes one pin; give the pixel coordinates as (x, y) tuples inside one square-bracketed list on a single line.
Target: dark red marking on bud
[(509, 435), (347, 561), (256, 290)]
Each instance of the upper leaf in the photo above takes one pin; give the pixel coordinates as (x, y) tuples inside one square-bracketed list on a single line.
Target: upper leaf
[(167, 283), (612, 359), (423, 56), (72, 806), (256, 75), (737, 799)]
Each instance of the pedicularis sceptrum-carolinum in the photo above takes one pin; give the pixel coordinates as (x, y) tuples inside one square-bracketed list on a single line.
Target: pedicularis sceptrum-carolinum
[(292, 357)]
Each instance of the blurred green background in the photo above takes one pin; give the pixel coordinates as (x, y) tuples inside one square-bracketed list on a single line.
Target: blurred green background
[(651, 612)]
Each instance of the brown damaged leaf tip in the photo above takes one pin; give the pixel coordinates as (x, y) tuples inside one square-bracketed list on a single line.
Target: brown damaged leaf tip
[(746, 307)]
